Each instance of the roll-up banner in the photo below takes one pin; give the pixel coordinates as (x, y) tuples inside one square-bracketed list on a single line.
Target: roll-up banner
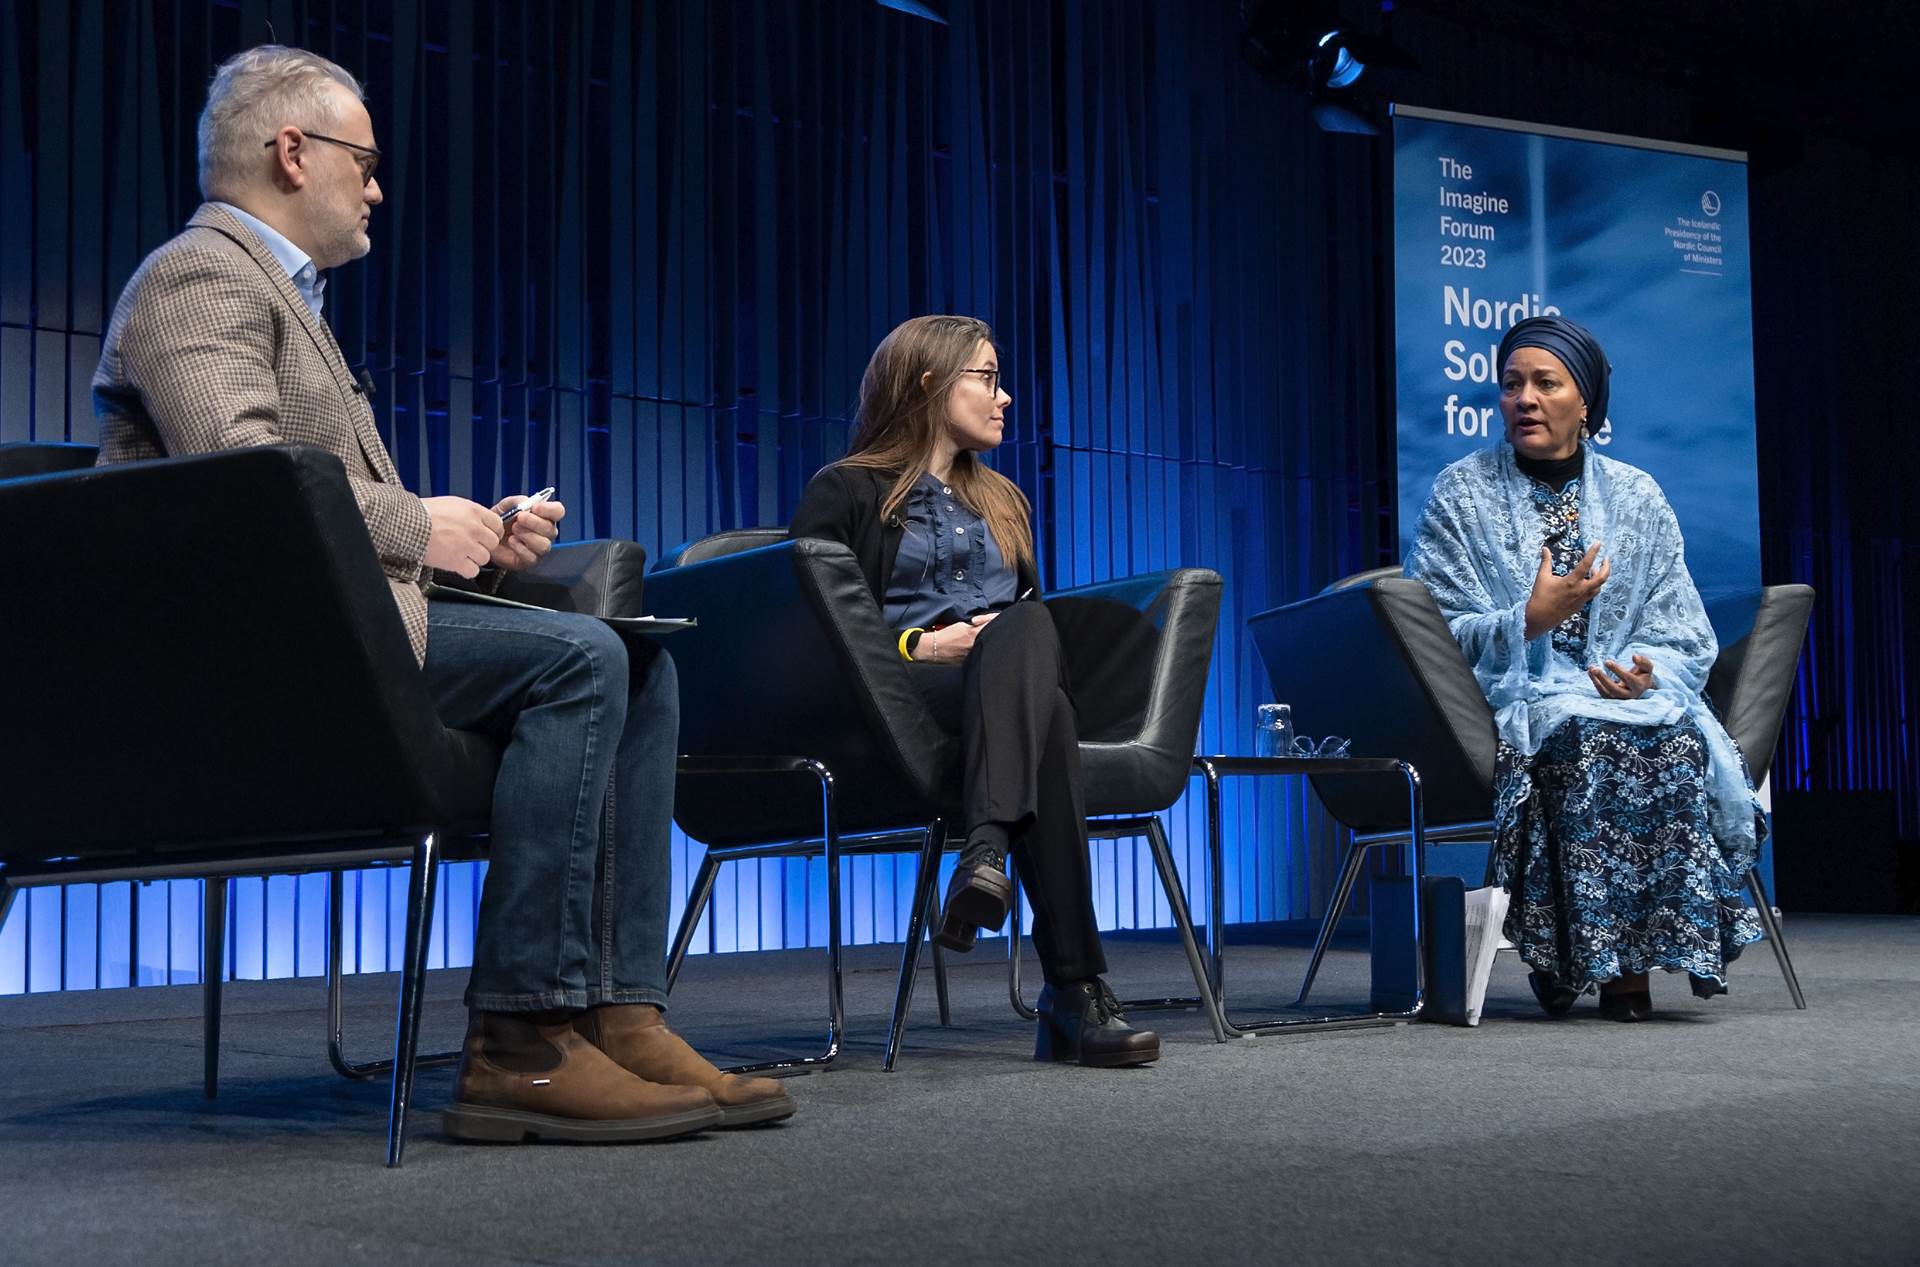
[(1642, 242)]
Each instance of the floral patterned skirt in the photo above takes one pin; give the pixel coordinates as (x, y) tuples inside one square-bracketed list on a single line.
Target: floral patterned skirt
[(1610, 860)]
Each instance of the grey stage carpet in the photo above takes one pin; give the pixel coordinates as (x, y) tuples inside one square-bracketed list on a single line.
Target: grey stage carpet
[(1731, 1131)]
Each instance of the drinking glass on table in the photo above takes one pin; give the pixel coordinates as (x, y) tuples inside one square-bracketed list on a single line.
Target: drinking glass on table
[(1273, 731)]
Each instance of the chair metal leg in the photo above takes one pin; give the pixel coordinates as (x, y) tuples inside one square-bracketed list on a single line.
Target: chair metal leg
[(923, 879), (1183, 920), (413, 982), (1206, 1000), (336, 978), (1216, 894), (1414, 839), (213, 956), (836, 930), (364, 1070), (939, 958), (1770, 924), (697, 900), (702, 895), (1014, 933), (1336, 905)]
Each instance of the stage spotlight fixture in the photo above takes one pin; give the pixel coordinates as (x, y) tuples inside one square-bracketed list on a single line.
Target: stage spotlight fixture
[(1334, 65), (1309, 47)]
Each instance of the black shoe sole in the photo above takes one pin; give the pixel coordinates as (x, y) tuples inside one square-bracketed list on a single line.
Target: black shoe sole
[(480, 1123), (1050, 1048), (763, 1113), (975, 903), (955, 937), (1121, 1059)]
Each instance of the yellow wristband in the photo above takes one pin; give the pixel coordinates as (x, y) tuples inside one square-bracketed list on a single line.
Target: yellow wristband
[(904, 635)]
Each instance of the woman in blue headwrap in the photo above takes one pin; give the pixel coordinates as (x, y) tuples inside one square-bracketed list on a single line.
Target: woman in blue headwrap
[(1624, 817)]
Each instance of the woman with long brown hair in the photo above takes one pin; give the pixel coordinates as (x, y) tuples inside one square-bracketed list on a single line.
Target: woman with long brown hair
[(946, 544)]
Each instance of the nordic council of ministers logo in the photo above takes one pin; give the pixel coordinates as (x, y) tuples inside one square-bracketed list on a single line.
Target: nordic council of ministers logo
[(1710, 203)]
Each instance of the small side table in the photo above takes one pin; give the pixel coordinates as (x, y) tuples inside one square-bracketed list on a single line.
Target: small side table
[(1214, 769)]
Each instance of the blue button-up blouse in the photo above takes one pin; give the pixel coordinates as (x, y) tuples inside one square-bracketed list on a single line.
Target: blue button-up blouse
[(948, 567)]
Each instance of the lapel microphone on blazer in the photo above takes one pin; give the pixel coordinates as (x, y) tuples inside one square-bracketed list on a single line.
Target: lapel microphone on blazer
[(363, 386)]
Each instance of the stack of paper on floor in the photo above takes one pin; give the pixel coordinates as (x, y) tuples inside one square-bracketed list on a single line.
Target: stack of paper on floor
[(1486, 912)]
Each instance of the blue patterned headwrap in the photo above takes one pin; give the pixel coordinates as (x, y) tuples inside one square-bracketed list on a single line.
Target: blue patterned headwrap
[(1577, 349)]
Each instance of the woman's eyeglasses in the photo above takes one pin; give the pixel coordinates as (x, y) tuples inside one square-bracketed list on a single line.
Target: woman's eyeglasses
[(990, 377)]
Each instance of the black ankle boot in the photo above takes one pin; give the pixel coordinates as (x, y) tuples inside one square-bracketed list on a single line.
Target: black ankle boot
[(980, 892), (1555, 999), (1624, 1005), (1081, 1021)]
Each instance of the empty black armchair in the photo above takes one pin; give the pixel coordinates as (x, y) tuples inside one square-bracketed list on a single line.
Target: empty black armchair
[(792, 689), (1372, 659), (221, 686)]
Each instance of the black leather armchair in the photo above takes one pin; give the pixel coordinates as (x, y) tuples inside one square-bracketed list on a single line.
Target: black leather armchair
[(792, 656), (1371, 657), (43, 457), (221, 687)]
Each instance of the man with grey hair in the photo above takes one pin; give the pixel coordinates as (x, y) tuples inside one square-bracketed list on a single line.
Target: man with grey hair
[(218, 342)]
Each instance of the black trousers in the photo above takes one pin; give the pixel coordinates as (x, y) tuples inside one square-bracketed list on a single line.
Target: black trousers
[(1009, 705)]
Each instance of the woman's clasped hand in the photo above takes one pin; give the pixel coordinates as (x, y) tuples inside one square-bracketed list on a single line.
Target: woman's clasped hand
[(951, 644)]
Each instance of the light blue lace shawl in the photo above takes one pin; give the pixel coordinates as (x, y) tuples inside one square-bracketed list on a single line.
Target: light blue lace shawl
[(1478, 549)]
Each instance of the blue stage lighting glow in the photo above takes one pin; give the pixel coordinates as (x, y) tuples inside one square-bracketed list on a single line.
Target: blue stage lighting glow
[(1345, 68)]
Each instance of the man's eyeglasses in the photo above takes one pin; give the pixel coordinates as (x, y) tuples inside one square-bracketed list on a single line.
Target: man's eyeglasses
[(366, 156), (990, 377)]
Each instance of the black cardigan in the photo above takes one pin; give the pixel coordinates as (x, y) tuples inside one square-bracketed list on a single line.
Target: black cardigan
[(842, 503)]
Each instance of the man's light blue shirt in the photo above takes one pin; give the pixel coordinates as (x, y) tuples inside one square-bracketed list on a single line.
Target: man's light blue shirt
[(299, 265)]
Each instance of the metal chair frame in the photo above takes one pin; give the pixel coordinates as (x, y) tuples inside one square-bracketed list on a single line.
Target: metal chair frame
[(361, 1071), (930, 841), (833, 847), (405, 833), (1476, 833), (1213, 769), (422, 851), (1206, 970), (1770, 925), (1354, 863)]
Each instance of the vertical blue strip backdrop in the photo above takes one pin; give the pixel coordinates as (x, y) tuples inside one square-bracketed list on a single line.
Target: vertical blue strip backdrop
[(642, 252), (647, 248)]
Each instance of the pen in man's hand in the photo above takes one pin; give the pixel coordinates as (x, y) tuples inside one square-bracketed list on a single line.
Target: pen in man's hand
[(543, 495)]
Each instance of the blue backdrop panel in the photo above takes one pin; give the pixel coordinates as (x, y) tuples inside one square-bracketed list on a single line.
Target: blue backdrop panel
[(1646, 245), (643, 252)]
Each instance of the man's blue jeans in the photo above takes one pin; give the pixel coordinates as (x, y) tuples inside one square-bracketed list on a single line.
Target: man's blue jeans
[(575, 909)]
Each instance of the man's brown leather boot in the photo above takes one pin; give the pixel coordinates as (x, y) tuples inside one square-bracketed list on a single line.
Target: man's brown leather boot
[(636, 1036), (528, 1074)]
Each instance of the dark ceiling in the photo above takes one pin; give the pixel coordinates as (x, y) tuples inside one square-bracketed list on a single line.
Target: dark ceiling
[(1753, 68)]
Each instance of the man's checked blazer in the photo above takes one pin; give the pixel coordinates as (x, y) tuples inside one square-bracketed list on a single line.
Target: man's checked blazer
[(211, 347)]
